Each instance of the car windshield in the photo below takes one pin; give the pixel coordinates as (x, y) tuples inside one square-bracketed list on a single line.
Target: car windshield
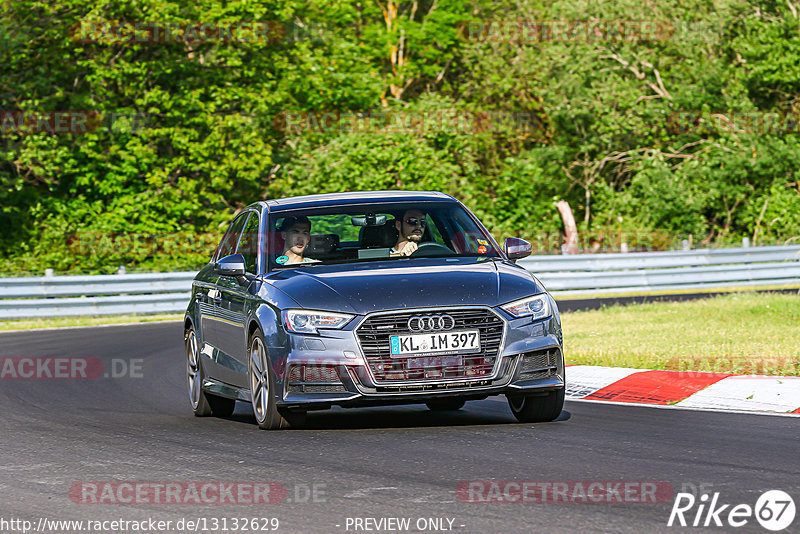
[(375, 232)]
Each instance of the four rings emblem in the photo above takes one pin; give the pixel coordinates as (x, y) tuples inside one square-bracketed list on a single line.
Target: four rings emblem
[(421, 323)]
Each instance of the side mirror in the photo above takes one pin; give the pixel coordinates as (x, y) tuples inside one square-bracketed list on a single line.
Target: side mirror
[(232, 265), (517, 248)]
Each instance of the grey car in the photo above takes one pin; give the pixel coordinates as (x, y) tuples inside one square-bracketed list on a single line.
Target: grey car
[(367, 299)]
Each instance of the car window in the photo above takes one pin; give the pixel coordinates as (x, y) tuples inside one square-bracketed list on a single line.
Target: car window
[(248, 244), (466, 237), (336, 224), (436, 235), (370, 232), (228, 244)]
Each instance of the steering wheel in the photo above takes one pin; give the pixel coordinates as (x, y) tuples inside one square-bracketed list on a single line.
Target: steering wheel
[(433, 248)]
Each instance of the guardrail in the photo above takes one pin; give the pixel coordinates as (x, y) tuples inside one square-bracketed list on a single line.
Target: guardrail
[(656, 271), (122, 294), (112, 294)]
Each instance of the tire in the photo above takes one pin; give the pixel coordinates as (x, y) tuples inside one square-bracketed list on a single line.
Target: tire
[(262, 388), (203, 404), (537, 409), (445, 405)]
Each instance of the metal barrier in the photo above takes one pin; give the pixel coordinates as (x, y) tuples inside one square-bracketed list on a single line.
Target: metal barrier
[(113, 294), (663, 271), (122, 294)]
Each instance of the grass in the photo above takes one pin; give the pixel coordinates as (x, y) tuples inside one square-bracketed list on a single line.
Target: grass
[(60, 322), (743, 333), (732, 289)]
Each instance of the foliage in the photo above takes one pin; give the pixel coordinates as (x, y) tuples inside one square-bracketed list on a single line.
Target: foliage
[(643, 135)]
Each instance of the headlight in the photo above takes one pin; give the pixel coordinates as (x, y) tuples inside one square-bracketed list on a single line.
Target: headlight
[(537, 307), (307, 321)]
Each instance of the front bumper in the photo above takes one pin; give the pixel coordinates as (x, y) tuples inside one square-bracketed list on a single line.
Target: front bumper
[(331, 369)]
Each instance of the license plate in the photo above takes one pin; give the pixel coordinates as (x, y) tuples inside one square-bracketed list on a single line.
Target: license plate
[(459, 342)]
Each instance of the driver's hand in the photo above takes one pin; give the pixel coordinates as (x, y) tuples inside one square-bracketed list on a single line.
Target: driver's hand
[(408, 249)]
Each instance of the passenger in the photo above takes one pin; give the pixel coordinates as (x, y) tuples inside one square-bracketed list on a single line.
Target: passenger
[(410, 229), (296, 233)]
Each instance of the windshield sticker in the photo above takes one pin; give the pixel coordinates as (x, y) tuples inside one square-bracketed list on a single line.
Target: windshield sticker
[(483, 242), (481, 250), (281, 259)]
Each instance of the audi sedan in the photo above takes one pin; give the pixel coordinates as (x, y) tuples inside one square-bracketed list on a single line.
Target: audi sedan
[(365, 299)]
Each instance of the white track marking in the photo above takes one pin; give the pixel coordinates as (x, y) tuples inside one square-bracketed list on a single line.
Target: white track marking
[(749, 393), (583, 380)]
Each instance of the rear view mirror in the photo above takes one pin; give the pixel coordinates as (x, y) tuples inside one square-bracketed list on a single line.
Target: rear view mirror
[(368, 220), (232, 265), (517, 248)]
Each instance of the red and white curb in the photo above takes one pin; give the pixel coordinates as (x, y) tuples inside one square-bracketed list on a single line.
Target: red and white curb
[(685, 389)]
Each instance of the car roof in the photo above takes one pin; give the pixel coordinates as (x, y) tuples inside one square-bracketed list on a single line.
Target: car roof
[(355, 197)]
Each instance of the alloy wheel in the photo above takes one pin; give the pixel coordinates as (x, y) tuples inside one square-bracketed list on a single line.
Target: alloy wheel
[(193, 369), (259, 379)]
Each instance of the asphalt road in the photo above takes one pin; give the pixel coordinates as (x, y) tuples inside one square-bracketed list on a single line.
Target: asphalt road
[(403, 462)]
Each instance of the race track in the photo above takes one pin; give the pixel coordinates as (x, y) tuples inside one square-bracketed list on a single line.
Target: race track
[(377, 462)]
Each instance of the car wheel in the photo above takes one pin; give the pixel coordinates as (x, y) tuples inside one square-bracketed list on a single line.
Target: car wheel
[(537, 409), (444, 405), (262, 389), (203, 404)]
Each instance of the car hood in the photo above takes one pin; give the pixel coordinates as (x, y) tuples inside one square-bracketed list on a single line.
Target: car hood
[(415, 283)]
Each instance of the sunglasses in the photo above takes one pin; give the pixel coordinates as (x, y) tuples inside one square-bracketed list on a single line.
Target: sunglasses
[(413, 221)]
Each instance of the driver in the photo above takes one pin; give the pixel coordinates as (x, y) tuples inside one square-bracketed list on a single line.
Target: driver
[(410, 229), (296, 233)]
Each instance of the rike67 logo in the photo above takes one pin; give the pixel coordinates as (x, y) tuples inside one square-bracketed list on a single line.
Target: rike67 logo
[(774, 510)]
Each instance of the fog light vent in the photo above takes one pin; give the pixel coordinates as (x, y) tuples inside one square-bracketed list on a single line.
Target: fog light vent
[(539, 364), (313, 378)]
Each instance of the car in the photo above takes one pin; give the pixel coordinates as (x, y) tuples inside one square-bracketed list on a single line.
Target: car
[(369, 299)]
